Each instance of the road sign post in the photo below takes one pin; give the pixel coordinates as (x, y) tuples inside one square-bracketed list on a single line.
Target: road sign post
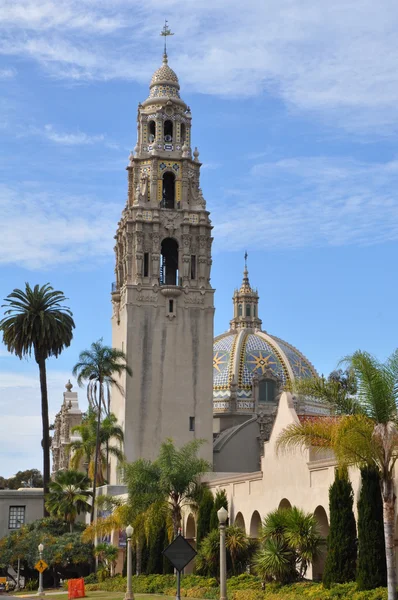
[(179, 553)]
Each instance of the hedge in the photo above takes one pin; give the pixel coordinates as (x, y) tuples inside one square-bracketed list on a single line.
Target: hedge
[(242, 587)]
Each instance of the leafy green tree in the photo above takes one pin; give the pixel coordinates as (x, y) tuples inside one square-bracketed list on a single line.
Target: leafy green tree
[(368, 436), (84, 448), (101, 367), (220, 501), (156, 546), (372, 569), (340, 566), (167, 484), (65, 553), (204, 515), (36, 321), (69, 496), (30, 478)]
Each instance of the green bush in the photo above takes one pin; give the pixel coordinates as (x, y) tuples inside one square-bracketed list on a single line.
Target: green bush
[(372, 569), (340, 565), (92, 578), (242, 587)]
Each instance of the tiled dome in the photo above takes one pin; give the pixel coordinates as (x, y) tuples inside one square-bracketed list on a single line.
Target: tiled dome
[(164, 82), (238, 355)]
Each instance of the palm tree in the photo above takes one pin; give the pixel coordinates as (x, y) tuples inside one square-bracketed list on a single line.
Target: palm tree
[(171, 480), (108, 555), (99, 367), (290, 541), (69, 496), (36, 320), (110, 430), (369, 437), (84, 448), (237, 544)]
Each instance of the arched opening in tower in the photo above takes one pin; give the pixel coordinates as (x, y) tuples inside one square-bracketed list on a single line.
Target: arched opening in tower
[(168, 131), (151, 131), (168, 195), (183, 133), (169, 262)]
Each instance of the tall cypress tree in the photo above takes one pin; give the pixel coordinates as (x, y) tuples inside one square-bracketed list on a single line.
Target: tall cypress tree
[(155, 558), (219, 501), (204, 515), (372, 569), (340, 565)]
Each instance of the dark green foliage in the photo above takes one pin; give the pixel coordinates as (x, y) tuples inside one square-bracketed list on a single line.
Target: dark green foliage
[(340, 566), (155, 559), (204, 515), (219, 501), (31, 478), (144, 556), (372, 569), (65, 553), (167, 566)]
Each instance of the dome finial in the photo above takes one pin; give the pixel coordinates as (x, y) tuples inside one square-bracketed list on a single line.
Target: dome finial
[(165, 32)]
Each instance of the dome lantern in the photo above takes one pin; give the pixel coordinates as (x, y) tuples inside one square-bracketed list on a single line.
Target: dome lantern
[(245, 300)]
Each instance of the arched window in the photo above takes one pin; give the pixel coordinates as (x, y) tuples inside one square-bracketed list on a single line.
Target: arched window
[(266, 391), (168, 131), (239, 310), (151, 131), (169, 262), (183, 132), (248, 312), (168, 194)]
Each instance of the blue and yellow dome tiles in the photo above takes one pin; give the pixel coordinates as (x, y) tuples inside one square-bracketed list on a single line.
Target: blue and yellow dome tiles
[(258, 353), (246, 350)]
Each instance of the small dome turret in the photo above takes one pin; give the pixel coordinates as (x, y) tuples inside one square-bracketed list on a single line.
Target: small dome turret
[(164, 82)]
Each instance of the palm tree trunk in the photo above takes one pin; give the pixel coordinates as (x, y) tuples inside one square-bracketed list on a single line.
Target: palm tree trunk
[(97, 450), (389, 530), (46, 428)]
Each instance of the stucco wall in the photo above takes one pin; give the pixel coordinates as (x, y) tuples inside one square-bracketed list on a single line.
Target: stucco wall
[(31, 498), (238, 450)]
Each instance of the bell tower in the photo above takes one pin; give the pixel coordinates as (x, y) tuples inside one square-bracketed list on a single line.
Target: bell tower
[(162, 299)]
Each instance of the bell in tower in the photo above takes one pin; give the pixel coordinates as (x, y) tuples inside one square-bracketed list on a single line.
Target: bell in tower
[(162, 299)]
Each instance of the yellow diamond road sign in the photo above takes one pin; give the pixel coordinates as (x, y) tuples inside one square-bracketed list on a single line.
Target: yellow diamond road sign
[(41, 566)]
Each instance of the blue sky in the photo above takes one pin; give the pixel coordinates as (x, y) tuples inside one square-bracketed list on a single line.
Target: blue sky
[(295, 116)]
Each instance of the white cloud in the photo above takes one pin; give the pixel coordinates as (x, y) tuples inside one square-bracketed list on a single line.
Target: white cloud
[(7, 73), (311, 201), (71, 139), (42, 229), (337, 59)]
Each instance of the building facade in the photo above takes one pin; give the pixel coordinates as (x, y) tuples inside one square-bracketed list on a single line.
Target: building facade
[(162, 299)]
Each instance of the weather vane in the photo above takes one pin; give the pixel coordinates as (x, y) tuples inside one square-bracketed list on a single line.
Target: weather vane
[(165, 32), (246, 259)]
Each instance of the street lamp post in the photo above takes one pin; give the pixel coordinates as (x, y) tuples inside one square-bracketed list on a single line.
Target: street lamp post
[(129, 592), (222, 515), (40, 591)]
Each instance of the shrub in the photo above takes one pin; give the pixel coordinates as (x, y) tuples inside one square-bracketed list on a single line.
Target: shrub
[(372, 570), (340, 565), (204, 515)]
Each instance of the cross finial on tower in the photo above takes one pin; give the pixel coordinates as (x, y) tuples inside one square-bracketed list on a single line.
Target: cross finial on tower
[(165, 32)]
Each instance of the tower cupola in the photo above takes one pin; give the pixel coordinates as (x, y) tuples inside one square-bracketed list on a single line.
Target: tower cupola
[(245, 301)]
